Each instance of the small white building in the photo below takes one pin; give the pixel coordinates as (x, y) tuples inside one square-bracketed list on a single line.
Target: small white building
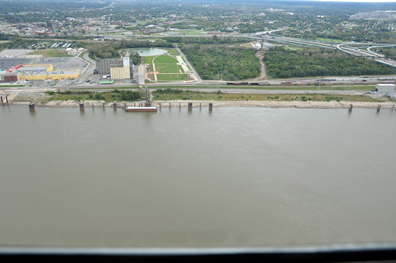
[(385, 88)]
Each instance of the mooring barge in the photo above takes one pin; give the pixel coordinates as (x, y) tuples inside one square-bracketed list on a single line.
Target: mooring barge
[(141, 109)]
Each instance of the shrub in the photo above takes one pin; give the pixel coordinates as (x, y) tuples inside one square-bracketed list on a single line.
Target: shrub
[(99, 96)]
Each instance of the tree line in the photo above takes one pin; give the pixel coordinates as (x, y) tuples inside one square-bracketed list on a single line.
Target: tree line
[(222, 63), (312, 62)]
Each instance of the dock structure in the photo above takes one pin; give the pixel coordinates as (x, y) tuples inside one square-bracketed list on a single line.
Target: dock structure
[(82, 107)]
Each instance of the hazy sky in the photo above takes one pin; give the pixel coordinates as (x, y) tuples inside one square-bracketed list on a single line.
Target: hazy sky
[(371, 1)]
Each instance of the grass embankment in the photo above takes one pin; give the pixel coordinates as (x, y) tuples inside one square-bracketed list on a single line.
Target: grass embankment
[(114, 95), (167, 68), (174, 94), (51, 53), (225, 87), (171, 77), (165, 59), (11, 86)]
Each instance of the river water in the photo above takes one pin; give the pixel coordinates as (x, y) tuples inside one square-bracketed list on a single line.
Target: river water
[(236, 177)]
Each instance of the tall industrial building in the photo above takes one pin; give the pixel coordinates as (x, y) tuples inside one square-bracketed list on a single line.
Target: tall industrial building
[(118, 68)]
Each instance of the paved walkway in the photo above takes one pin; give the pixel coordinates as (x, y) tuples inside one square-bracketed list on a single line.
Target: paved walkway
[(155, 73), (191, 67), (182, 64)]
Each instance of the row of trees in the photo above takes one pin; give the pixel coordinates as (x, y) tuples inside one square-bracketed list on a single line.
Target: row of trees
[(112, 50), (281, 63), (225, 63)]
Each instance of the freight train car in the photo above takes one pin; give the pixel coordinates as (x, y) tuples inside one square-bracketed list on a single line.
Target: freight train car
[(264, 84)]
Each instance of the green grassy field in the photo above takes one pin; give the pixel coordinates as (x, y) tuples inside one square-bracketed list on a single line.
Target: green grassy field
[(328, 39), (51, 53), (144, 22), (293, 48), (148, 60), (165, 59), (247, 45), (171, 77), (172, 51), (168, 68)]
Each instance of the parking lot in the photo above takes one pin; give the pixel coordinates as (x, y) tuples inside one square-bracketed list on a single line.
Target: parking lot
[(62, 63), (7, 63)]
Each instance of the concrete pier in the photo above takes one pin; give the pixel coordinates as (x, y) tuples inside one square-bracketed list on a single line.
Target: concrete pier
[(2, 103), (31, 107), (7, 100), (190, 106), (82, 106), (210, 106)]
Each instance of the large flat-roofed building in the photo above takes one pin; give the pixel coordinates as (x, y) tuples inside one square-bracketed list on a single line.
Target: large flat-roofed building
[(103, 65), (44, 71), (118, 68), (42, 75)]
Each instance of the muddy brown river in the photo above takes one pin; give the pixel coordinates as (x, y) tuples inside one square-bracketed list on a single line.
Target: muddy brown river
[(236, 177)]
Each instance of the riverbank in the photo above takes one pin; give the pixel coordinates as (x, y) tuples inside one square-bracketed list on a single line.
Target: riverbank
[(197, 103)]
